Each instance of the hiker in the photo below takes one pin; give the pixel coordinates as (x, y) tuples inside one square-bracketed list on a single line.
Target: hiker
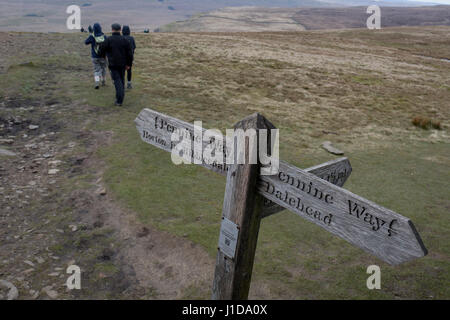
[(120, 58), (126, 33), (95, 39)]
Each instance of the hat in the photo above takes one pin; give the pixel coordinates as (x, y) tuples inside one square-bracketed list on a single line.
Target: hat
[(116, 27)]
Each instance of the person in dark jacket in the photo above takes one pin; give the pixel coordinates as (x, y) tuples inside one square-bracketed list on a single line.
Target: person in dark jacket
[(127, 34), (120, 58), (95, 39)]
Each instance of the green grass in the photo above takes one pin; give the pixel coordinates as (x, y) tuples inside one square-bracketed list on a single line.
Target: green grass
[(295, 259), (187, 200)]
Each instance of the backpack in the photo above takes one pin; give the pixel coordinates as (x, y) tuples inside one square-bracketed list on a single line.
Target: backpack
[(98, 41)]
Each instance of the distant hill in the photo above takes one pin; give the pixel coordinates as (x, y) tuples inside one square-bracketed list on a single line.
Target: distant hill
[(355, 17), (50, 15), (238, 19), (242, 19), (384, 3)]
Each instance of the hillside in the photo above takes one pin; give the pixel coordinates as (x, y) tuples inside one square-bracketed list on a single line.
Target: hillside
[(50, 15), (355, 17), (247, 19), (77, 184), (238, 19)]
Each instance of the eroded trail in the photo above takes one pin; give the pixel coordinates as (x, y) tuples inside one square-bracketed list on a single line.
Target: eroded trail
[(55, 208), (78, 186)]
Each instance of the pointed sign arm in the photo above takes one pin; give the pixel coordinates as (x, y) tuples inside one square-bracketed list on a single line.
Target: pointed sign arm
[(373, 228)]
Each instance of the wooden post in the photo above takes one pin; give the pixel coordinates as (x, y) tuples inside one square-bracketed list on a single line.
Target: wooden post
[(242, 212), (315, 194)]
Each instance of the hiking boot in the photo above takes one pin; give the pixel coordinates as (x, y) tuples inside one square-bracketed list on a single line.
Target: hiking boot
[(97, 85), (103, 83), (129, 86), (117, 104)]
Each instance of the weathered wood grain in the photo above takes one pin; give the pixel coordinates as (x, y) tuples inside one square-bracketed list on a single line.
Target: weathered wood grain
[(241, 206), (377, 230), (335, 171), (156, 129)]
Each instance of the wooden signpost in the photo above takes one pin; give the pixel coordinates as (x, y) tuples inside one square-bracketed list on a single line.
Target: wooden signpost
[(335, 172), (316, 194)]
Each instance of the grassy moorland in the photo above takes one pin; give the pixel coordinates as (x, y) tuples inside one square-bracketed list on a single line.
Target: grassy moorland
[(358, 89), (249, 19)]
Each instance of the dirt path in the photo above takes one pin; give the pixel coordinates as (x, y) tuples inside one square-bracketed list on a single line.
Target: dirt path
[(56, 209), (56, 212), (46, 226)]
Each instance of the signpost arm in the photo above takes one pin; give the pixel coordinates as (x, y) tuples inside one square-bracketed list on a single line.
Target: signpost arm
[(335, 171), (242, 206)]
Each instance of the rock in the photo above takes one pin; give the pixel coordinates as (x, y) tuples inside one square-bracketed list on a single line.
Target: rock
[(13, 293), (143, 232), (98, 224), (47, 155), (54, 274), (73, 227), (329, 147), (40, 260), (34, 294), (33, 127), (7, 153), (7, 141), (78, 160), (54, 163), (107, 254), (28, 262), (51, 293), (53, 171), (101, 191)]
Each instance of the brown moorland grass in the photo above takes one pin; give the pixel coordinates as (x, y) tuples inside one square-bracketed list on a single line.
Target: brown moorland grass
[(356, 88)]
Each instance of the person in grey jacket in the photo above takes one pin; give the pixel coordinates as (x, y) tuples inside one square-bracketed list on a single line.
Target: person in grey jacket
[(95, 39), (127, 35)]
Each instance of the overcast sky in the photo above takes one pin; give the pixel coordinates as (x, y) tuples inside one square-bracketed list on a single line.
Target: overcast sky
[(434, 1)]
